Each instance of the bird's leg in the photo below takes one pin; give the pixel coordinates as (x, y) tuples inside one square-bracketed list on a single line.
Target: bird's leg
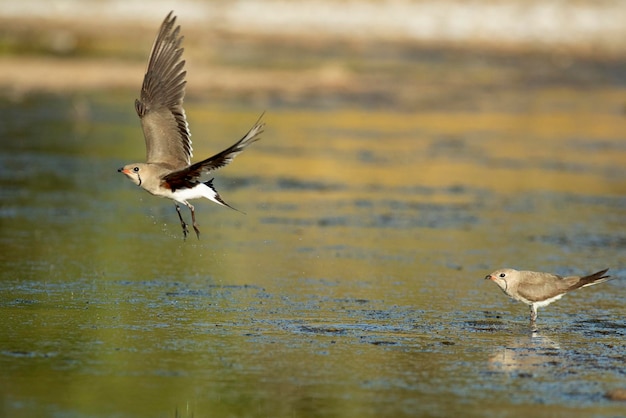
[(533, 317), (182, 223), (193, 220)]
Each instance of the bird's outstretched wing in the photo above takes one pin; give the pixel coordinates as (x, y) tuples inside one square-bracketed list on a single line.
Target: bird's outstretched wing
[(160, 106), (186, 177)]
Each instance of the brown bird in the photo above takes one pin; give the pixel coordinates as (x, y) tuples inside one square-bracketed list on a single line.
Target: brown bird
[(168, 171), (540, 289)]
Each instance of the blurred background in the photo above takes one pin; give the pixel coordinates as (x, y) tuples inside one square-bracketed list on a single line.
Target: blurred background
[(411, 148), (370, 53)]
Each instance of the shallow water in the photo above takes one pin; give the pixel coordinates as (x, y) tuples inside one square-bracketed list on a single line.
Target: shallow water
[(352, 285)]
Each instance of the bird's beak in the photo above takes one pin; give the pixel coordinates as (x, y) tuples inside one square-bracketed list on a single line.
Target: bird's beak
[(121, 170), (489, 277)]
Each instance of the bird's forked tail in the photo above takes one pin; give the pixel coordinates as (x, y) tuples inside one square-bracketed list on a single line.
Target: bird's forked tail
[(212, 194), (592, 279)]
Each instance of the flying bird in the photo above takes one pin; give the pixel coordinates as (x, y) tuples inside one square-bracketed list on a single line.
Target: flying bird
[(168, 171), (538, 289)]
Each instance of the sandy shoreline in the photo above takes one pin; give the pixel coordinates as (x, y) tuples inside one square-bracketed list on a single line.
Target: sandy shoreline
[(533, 23), (96, 45)]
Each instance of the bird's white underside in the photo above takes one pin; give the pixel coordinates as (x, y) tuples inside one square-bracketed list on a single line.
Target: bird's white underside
[(545, 302), (199, 191)]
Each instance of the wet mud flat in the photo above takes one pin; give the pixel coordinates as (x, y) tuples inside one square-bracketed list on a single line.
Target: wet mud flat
[(352, 286), (226, 348)]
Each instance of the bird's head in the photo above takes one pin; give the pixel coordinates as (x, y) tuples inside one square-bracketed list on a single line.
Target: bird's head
[(502, 277), (133, 172)]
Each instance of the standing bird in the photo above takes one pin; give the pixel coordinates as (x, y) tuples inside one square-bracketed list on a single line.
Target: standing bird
[(540, 289), (168, 171)]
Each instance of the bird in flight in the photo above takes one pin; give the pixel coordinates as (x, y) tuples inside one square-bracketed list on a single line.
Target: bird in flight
[(168, 171), (537, 289)]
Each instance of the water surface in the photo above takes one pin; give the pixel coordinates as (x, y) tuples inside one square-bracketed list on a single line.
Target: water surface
[(352, 285)]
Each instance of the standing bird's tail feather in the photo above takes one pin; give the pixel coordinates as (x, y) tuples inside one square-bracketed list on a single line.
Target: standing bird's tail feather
[(592, 279)]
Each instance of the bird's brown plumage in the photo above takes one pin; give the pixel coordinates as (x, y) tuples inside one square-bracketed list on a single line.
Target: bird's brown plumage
[(167, 171), (181, 178), (538, 289), (160, 107), (538, 286)]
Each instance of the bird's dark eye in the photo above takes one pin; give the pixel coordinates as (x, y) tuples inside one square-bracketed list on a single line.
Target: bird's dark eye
[(135, 169), (502, 275)]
